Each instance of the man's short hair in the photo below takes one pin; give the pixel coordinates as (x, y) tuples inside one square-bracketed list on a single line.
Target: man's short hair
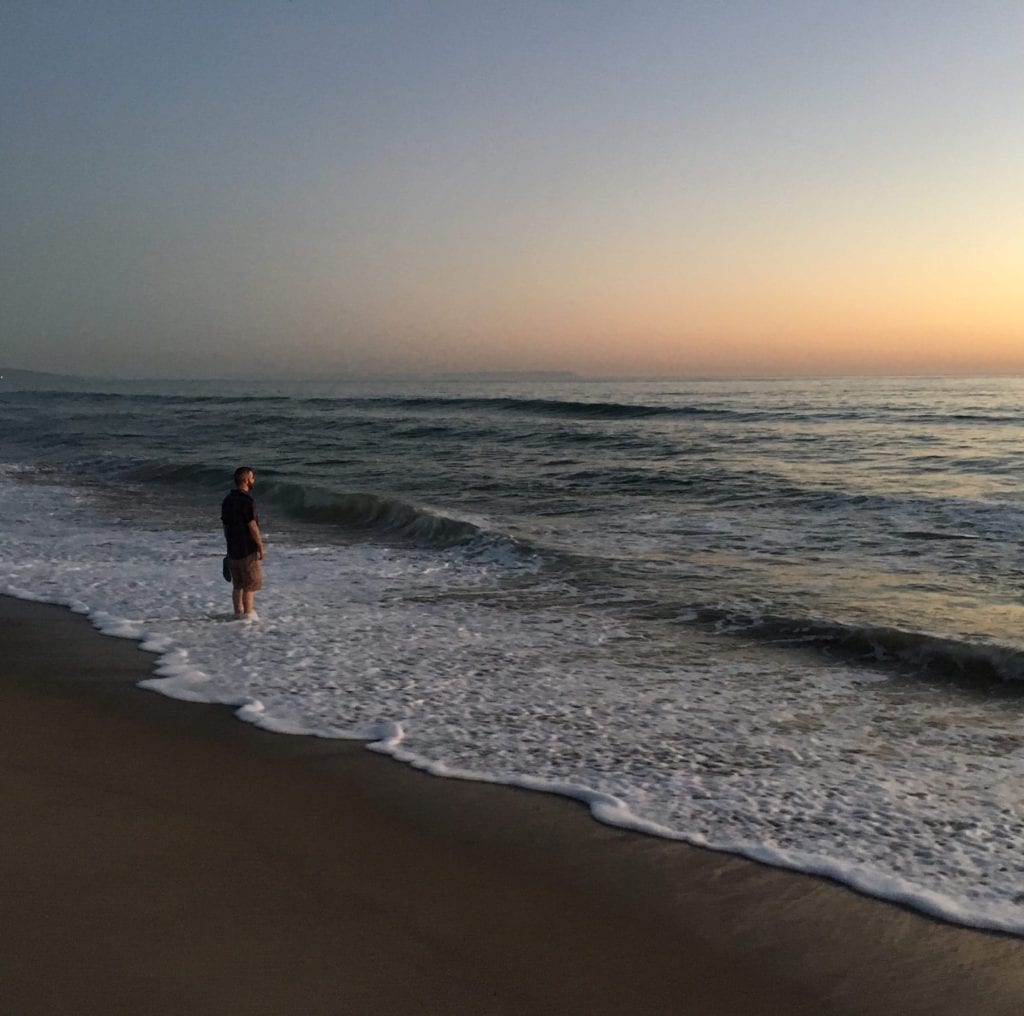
[(240, 473)]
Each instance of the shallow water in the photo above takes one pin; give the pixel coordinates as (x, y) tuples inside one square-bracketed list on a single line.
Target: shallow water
[(776, 617)]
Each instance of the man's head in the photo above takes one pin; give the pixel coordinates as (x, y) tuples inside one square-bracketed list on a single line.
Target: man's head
[(244, 477)]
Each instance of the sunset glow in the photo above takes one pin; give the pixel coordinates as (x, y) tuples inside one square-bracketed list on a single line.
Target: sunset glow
[(655, 188)]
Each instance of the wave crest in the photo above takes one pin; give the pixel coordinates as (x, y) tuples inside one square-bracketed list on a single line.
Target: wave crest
[(373, 512), (954, 659), (380, 514)]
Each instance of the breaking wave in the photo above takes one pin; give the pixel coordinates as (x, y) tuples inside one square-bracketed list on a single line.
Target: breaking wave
[(980, 663)]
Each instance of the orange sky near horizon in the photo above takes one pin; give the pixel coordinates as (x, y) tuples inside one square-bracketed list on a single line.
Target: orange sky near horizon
[(947, 310), (661, 188)]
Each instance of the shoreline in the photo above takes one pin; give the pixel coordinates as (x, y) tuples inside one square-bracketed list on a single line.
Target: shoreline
[(163, 857)]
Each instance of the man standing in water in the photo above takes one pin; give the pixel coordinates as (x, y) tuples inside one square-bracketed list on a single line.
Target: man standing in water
[(245, 544)]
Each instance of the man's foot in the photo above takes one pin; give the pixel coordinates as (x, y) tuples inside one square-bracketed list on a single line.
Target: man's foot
[(251, 615)]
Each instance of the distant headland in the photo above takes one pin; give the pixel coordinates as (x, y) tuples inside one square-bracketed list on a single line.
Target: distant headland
[(506, 375), (34, 377)]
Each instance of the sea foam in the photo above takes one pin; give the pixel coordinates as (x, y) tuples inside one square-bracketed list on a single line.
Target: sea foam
[(433, 658)]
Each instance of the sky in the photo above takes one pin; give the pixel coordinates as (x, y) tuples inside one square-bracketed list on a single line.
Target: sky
[(305, 188)]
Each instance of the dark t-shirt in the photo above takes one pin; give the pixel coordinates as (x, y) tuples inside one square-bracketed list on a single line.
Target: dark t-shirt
[(236, 512)]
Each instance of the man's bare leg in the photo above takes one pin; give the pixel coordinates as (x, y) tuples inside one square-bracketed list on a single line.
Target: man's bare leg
[(248, 601), (237, 600)]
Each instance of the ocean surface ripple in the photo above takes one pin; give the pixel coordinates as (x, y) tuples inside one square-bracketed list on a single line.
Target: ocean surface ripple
[(781, 617)]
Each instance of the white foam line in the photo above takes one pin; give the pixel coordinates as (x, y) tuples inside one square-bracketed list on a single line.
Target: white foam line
[(178, 679), (613, 812)]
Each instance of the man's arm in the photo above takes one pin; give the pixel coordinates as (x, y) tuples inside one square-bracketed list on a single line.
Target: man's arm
[(254, 532)]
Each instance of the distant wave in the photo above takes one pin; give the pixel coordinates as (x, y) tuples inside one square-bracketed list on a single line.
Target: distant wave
[(70, 396), (534, 407), (346, 510), (1014, 418), (172, 473), (370, 511), (555, 408), (915, 534), (972, 663)]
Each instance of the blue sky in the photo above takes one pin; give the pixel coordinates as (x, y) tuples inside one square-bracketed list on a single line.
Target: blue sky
[(297, 187)]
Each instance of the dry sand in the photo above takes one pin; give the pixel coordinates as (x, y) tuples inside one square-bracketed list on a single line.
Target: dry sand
[(159, 857)]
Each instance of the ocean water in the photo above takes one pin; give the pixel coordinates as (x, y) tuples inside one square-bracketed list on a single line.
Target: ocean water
[(782, 618)]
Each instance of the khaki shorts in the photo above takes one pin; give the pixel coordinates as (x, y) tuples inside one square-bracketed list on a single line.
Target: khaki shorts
[(246, 573)]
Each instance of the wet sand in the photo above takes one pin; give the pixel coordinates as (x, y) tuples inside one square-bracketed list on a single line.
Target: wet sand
[(159, 857)]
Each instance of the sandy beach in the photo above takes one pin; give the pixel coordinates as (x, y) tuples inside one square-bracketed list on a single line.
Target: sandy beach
[(163, 857)]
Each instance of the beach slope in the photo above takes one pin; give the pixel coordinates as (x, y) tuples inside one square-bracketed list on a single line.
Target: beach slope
[(158, 857)]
